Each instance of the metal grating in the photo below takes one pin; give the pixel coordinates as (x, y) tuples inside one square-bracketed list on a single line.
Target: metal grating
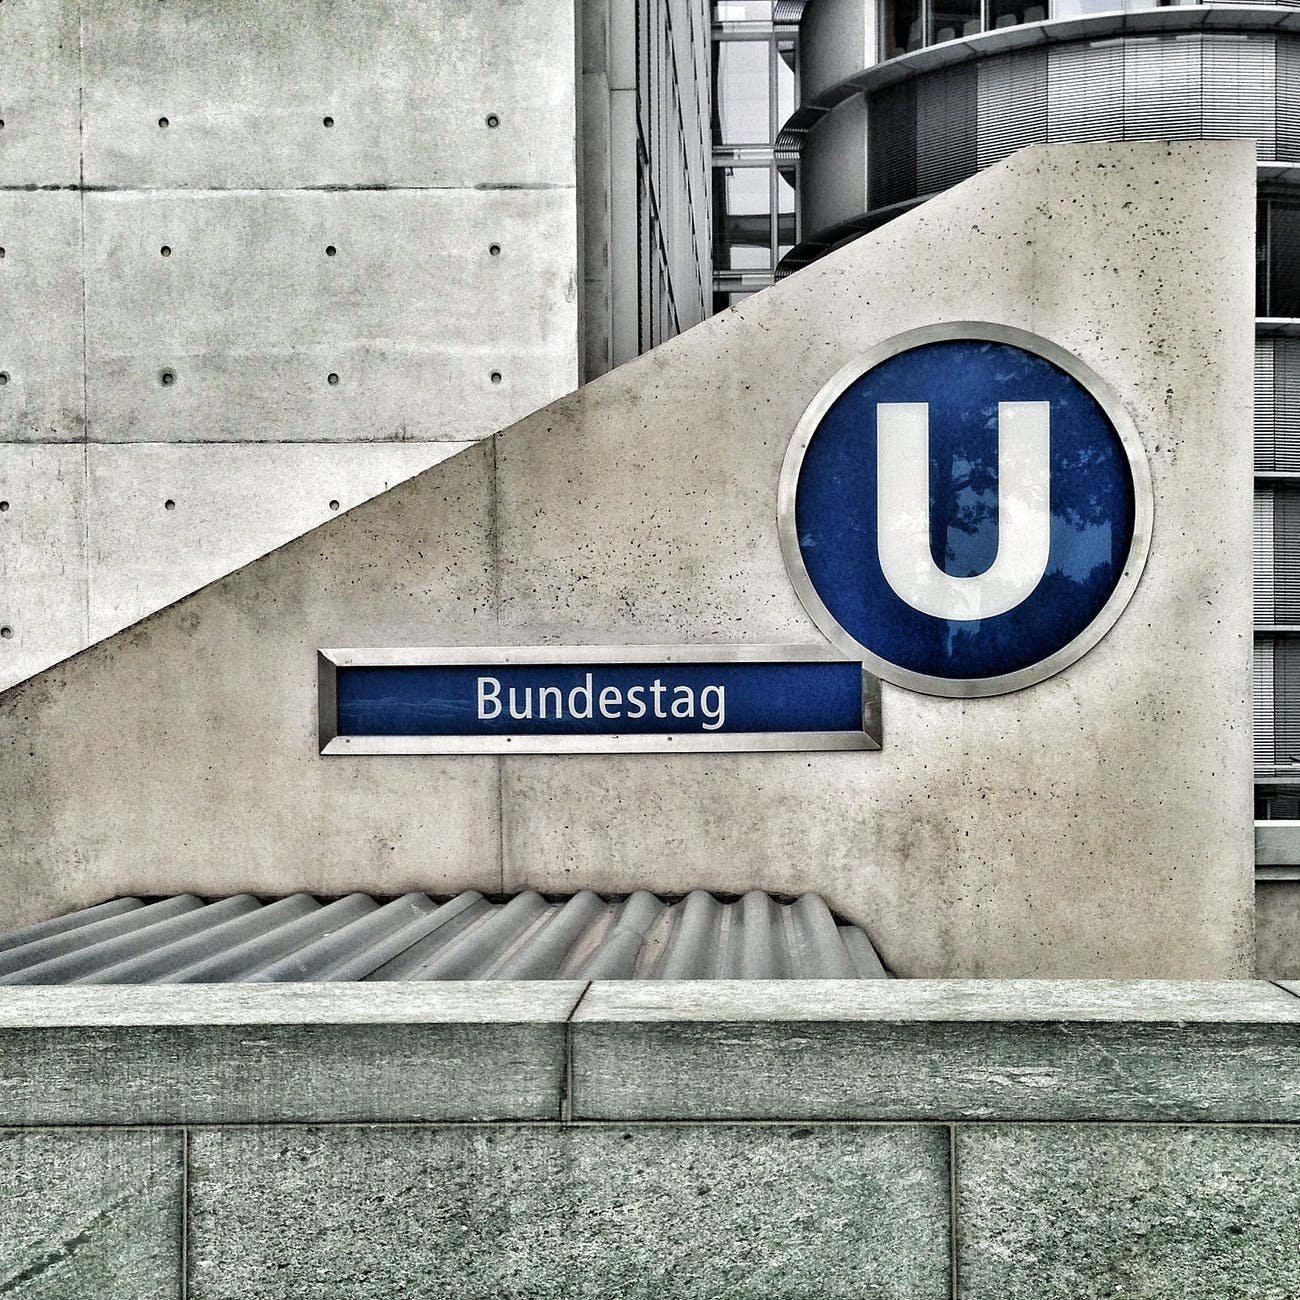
[(184, 940)]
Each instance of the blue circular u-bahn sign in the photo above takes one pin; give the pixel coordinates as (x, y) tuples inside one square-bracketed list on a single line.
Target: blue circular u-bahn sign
[(966, 508)]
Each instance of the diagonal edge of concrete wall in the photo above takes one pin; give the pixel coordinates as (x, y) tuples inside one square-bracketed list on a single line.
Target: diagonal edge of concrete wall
[(1096, 824)]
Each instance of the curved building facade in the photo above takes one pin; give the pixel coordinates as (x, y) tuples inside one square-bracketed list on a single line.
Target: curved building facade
[(945, 88)]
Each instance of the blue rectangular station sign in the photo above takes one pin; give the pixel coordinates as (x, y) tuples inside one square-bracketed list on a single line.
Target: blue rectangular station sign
[(573, 699)]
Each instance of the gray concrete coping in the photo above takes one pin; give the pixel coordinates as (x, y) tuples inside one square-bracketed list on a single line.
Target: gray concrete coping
[(542, 1051)]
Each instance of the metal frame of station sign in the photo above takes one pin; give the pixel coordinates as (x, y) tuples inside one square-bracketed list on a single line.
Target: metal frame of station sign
[(332, 664)]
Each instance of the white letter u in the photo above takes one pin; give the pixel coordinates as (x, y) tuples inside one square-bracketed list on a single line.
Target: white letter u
[(903, 512)]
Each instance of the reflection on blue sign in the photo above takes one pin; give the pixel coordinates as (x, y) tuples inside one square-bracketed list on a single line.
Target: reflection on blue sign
[(964, 511), (600, 699)]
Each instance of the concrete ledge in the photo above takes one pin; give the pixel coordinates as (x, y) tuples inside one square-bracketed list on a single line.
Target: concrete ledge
[(938, 1050), (694, 1051), (239, 1054)]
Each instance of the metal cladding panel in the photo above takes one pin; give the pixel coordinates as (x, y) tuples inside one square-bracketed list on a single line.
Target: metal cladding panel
[(1239, 90), (1085, 91), (1277, 554), (1262, 548), (891, 148), (1162, 80), (946, 128), (1288, 100), (183, 940), (1277, 405), (1265, 751), (1012, 104), (1264, 409)]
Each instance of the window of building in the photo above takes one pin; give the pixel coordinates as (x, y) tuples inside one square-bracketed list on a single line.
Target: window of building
[(756, 89), (907, 25)]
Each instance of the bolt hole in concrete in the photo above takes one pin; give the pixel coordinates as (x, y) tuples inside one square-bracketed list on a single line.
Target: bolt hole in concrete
[(334, 505), (163, 122), (494, 250), (493, 120), (168, 378), (496, 376), (330, 250), (165, 250), (2, 252), (6, 632), (169, 504), (328, 121), (4, 505), (4, 378), (332, 378)]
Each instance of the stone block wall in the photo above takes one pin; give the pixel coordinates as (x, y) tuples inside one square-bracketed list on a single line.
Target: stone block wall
[(828, 1138)]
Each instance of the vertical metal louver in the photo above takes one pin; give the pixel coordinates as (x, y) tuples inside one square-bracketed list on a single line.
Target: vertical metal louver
[(1162, 88), (1277, 706), (1263, 687), (1277, 554), (1262, 556), (891, 148), (1265, 456), (946, 128), (1277, 405), (1239, 90), (1288, 100), (1085, 92), (1011, 107)]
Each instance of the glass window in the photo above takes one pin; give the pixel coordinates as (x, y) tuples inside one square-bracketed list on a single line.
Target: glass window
[(1278, 285), (740, 92), (742, 11), (900, 27), (742, 218), (785, 211), (1011, 13), (950, 19), (785, 83)]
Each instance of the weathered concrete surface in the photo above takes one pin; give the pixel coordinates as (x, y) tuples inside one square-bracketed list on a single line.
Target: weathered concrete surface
[(246, 187), (230, 505), (43, 397), (750, 1212), (1055, 1213), (42, 554), (258, 1054), (408, 87), (1277, 929), (412, 312), (937, 1050), (42, 117), (1096, 824), (91, 1214)]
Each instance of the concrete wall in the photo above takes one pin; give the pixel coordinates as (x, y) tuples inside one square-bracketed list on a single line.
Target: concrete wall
[(170, 314), (902, 1141), (1096, 824)]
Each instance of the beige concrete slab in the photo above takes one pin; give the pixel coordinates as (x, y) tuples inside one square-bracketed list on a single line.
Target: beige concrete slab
[(970, 1001), (1091, 825), (219, 787), (42, 556), (437, 1002), (40, 140), (234, 333), (42, 397), (407, 86), (230, 503)]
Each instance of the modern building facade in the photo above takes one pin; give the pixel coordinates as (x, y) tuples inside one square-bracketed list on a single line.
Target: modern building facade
[(261, 262)]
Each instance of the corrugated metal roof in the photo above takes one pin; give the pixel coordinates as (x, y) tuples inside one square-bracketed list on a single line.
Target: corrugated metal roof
[(185, 940)]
